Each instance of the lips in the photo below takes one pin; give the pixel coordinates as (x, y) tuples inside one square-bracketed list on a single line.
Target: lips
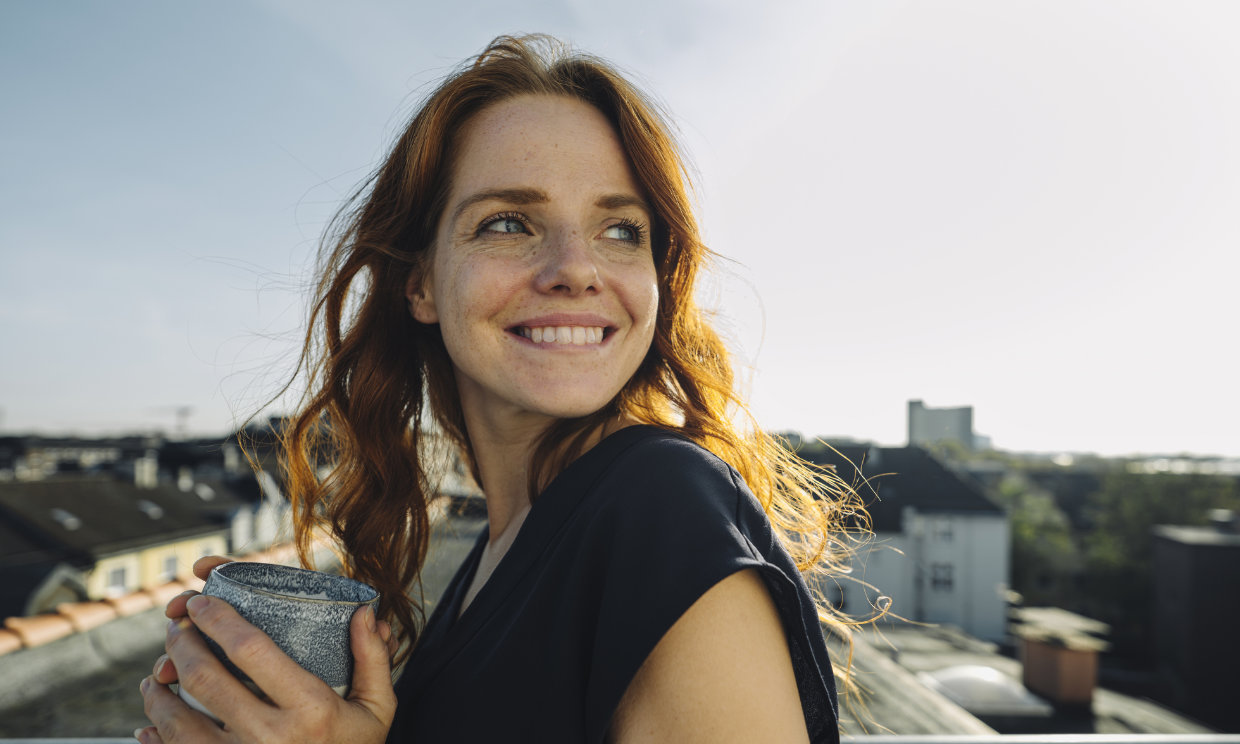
[(565, 335)]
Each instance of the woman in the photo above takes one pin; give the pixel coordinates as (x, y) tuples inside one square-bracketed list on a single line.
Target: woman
[(521, 269)]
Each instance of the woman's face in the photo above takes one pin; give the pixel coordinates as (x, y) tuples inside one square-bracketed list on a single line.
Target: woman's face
[(541, 278)]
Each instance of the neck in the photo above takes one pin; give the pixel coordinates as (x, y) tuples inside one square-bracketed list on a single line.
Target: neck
[(503, 455), (503, 467)]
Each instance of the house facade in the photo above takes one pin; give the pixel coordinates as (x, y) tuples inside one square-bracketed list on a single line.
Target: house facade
[(94, 537), (939, 549)]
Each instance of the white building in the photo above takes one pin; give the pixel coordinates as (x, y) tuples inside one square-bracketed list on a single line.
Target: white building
[(940, 548)]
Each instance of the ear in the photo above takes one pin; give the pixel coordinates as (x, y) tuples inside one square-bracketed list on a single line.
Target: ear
[(421, 298)]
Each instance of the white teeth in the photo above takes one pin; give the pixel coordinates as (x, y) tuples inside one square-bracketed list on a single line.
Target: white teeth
[(569, 335)]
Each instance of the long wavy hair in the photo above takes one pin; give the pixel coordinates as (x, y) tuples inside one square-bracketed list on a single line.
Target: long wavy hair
[(360, 457)]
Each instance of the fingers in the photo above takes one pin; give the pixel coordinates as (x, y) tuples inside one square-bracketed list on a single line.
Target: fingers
[(203, 566), (148, 735), (202, 569), (286, 683), (205, 677), (165, 672), (174, 720), (372, 671), (176, 605)]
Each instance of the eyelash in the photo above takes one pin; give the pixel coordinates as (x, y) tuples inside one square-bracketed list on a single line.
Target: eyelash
[(639, 230), (502, 217)]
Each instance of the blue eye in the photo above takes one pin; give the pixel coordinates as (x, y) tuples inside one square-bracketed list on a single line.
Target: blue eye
[(503, 224), (620, 232), (625, 230)]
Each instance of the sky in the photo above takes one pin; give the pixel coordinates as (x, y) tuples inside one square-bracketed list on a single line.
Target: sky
[(1032, 207)]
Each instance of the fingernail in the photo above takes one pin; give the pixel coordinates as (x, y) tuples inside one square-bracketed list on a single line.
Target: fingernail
[(143, 686), (370, 619), (137, 733), (159, 664), (196, 604)]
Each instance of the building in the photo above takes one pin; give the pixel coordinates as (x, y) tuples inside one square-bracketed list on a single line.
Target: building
[(940, 548), (96, 537), (929, 426), (1196, 602)]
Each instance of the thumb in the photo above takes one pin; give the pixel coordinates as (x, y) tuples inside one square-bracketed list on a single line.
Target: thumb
[(372, 672)]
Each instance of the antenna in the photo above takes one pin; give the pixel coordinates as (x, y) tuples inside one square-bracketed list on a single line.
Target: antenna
[(182, 414)]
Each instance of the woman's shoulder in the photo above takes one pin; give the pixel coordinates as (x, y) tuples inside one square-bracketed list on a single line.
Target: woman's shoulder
[(656, 463), (672, 490)]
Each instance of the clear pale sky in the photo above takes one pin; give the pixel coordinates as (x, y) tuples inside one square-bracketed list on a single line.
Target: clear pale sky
[(1029, 207)]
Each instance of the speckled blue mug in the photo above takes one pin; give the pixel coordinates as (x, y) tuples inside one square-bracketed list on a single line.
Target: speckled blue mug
[(307, 614)]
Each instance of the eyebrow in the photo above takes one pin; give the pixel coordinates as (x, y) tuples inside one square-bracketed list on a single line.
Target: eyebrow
[(512, 196), (523, 196)]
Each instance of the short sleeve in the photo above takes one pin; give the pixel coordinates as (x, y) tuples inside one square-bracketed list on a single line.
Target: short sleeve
[(673, 521)]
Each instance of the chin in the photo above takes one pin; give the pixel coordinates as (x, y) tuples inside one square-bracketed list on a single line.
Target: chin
[(567, 407)]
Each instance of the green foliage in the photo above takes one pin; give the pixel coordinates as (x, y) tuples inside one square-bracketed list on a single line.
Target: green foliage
[(1045, 557), (1128, 506), (1118, 547)]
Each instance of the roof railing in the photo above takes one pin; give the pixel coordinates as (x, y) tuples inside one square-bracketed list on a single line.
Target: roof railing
[(885, 739)]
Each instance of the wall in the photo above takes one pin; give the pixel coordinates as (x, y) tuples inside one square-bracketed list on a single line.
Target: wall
[(144, 569), (930, 425), (185, 552), (943, 568)]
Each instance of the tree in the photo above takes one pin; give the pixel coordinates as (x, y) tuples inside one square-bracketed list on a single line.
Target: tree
[(1045, 557), (1118, 548)]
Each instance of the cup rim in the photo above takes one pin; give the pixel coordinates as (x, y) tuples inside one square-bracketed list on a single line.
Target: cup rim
[(281, 595)]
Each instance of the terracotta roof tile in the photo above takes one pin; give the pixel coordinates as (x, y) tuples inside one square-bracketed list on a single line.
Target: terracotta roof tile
[(9, 641), (87, 615), (40, 629), (161, 595), (131, 604)]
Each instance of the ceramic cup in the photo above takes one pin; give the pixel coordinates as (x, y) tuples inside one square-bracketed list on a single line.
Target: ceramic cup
[(306, 613)]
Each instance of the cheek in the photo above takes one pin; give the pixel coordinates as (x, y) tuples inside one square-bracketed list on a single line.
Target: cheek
[(473, 291)]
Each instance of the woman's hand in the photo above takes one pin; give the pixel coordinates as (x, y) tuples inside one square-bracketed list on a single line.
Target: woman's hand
[(301, 707)]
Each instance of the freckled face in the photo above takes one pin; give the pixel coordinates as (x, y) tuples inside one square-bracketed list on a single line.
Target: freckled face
[(542, 278)]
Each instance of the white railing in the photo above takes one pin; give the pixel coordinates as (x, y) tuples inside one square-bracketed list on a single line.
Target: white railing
[(892, 739)]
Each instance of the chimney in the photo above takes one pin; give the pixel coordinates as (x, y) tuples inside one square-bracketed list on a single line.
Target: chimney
[(146, 470)]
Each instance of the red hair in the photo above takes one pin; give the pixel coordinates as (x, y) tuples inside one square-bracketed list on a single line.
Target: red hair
[(374, 373)]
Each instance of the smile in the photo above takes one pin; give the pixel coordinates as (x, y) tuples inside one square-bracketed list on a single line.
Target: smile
[(574, 335)]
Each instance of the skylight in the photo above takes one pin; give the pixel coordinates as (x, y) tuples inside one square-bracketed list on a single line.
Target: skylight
[(66, 519), (150, 508)]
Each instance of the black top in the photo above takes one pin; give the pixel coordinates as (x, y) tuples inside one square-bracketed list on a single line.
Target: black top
[(612, 553)]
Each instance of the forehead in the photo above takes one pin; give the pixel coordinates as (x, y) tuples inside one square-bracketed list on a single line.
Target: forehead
[(554, 143)]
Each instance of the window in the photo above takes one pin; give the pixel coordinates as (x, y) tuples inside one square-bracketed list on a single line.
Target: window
[(118, 581), (943, 530), (941, 577), (168, 572)]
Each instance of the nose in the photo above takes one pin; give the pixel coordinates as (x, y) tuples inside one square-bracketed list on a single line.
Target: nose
[(568, 265)]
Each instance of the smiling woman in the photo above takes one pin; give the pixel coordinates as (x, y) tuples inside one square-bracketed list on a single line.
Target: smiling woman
[(545, 235), (523, 267)]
